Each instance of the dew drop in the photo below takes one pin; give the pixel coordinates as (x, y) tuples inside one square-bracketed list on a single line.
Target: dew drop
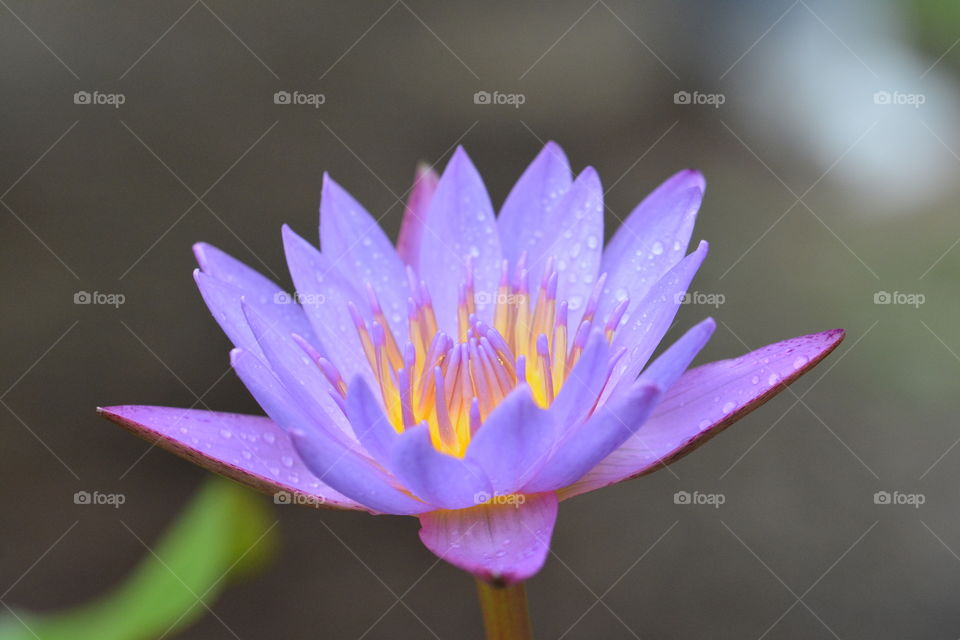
[(800, 361), (773, 379), (226, 433), (657, 248), (269, 438)]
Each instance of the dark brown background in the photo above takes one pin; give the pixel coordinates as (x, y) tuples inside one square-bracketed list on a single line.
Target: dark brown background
[(104, 199)]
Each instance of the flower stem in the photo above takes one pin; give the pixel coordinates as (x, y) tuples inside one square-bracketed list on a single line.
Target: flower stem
[(505, 614)]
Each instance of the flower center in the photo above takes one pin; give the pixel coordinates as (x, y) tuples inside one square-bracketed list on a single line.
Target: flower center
[(454, 384)]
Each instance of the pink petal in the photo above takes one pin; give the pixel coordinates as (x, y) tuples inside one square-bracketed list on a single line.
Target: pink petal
[(252, 450), (460, 228), (415, 215), (705, 401), (524, 220), (503, 543)]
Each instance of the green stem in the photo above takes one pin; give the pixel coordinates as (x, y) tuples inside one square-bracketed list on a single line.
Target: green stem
[(505, 614)]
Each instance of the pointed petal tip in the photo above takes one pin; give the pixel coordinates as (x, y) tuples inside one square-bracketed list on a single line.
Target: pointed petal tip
[(199, 253)]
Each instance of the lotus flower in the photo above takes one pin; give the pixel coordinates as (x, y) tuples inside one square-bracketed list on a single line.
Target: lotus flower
[(479, 373)]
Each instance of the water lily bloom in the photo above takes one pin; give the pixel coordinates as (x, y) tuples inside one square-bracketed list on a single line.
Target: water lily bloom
[(481, 371)]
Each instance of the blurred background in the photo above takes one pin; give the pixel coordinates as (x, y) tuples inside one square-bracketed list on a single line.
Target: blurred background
[(829, 138)]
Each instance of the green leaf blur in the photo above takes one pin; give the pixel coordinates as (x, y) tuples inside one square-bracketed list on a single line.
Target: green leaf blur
[(226, 531)]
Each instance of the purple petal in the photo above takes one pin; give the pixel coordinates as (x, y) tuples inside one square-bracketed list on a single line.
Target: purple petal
[(252, 450), (460, 228), (354, 475), (705, 401), (256, 288), (223, 300), (301, 378), (652, 239), (609, 427), (649, 320), (415, 215), (513, 442), (237, 280), (340, 467), (671, 364), (503, 543), (324, 294), (370, 425), (356, 245), (574, 237), (440, 479), (526, 211), (582, 388)]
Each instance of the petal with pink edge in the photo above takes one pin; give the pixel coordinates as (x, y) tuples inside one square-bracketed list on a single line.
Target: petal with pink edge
[(705, 401), (503, 543), (523, 220), (252, 450), (415, 214), (460, 228)]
